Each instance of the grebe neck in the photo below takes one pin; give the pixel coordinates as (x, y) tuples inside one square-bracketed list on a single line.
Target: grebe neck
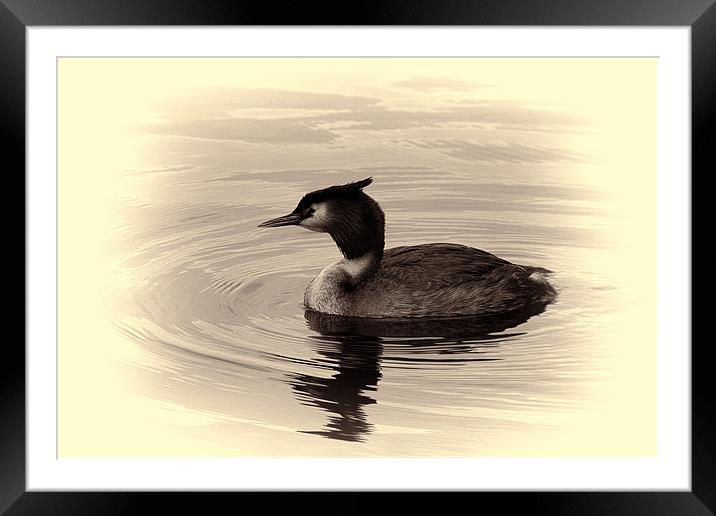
[(358, 229), (360, 268)]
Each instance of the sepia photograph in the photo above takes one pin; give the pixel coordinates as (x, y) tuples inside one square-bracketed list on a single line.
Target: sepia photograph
[(357, 257)]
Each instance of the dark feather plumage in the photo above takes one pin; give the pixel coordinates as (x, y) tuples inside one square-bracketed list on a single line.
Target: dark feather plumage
[(443, 279), (358, 227), (335, 192)]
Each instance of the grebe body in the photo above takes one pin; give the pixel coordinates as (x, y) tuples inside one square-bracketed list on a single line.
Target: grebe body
[(428, 280)]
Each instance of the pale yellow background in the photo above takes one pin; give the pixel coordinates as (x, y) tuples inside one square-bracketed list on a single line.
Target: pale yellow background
[(101, 102)]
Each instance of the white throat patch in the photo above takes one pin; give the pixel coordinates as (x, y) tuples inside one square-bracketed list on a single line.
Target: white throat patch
[(357, 266)]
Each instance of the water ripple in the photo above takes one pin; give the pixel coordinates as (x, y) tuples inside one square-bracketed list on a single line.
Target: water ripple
[(217, 302)]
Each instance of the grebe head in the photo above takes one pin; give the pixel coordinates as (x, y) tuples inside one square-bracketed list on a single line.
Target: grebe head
[(353, 219)]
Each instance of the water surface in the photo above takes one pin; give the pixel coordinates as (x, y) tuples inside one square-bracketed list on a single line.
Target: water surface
[(217, 303), (209, 307)]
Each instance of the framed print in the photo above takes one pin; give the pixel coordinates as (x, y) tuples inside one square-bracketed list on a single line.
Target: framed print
[(502, 301)]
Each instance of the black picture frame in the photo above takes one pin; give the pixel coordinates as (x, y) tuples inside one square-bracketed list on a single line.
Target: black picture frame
[(700, 15)]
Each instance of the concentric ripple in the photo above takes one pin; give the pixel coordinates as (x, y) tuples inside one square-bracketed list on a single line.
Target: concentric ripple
[(216, 305)]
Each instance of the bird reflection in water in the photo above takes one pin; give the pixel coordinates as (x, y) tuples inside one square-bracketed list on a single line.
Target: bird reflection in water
[(354, 347), (345, 394)]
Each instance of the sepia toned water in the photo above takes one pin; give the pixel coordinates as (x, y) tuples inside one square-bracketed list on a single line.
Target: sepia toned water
[(218, 351), (217, 305)]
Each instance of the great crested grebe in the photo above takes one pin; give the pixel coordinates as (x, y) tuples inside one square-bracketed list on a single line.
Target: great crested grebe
[(427, 280)]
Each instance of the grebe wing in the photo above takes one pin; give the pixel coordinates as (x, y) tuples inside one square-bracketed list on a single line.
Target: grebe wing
[(449, 263)]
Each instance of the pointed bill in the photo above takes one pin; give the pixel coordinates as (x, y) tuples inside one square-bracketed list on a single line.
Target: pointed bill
[(292, 219)]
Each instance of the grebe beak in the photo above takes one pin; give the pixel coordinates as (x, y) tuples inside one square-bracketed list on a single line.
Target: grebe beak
[(292, 219)]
